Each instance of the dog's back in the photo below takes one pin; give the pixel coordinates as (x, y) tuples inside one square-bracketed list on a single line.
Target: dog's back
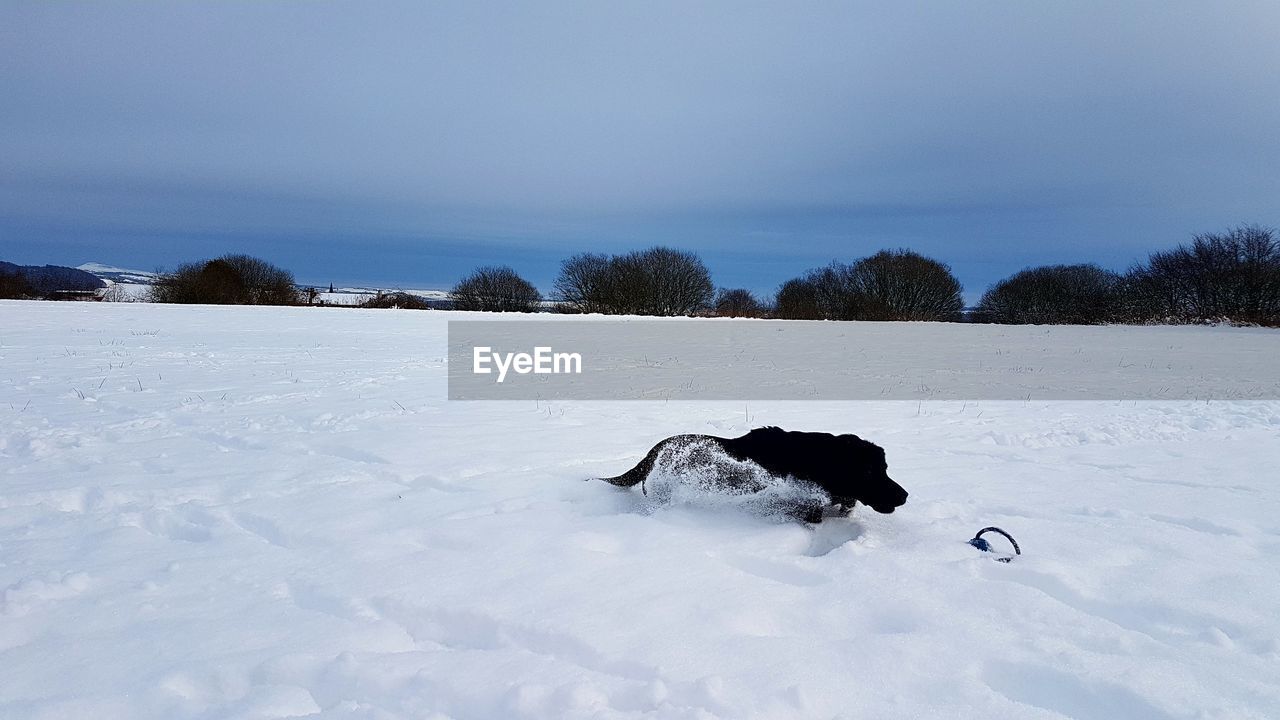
[(809, 456), (641, 471), (803, 455)]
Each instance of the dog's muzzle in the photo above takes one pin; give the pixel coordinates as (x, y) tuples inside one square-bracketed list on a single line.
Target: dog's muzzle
[(898, 501)]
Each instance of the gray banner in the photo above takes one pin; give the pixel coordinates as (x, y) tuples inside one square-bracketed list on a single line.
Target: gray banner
[(588, 358)]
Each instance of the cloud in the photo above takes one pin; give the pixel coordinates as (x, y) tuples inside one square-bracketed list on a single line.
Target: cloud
[(720, 123)]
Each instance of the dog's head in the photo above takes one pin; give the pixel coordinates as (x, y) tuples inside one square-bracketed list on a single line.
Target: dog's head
[(866, 478)]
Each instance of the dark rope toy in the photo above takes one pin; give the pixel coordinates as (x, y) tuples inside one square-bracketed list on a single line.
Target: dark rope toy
[(985, 546)]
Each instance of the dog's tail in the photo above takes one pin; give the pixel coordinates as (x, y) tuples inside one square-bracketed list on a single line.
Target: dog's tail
[(638, 473), (641, 471)]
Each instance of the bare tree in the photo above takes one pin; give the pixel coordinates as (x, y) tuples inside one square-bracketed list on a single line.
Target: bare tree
[(583, 283), (890, 285), (657, 281), (797, 299), (677, 282), (213, 282), (839, 295), (737, 302), (1054, 295), (1232, 276), (626, 286), (116, 292), (828, 293), (496, 289), (228, 280), (264, 283), (904, 285), (219, 282), (396, 300)]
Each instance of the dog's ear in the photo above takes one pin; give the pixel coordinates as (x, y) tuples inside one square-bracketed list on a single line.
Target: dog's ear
[(884, 494), (868, 478), (863, 452)]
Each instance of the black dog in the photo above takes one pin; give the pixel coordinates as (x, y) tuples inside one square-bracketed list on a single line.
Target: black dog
[(846, 468)]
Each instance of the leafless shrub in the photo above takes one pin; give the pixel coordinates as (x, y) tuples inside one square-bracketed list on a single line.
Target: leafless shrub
[(737, 302), (904, 285), (396, 300), (265, 283), (890, 285), (1054, 295), (228, 280), (797, 299), (584, 284), (657, 281), (116, 293), (496, 289), (213, 282), (1232, 276)]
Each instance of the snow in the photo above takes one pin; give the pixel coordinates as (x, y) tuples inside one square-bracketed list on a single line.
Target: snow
[(357, 295), (117, 275), (237, 512), (94, 267)]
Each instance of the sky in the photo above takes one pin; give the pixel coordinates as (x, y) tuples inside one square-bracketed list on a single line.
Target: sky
[(405, 143)]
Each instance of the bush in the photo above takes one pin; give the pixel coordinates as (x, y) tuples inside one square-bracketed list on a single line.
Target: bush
[(396, 300), (822, 294), (890, 285), (584, 284), (117, 293), (186, 284), (265, 283), (737, 302), (657, 281), (496, 289), (228, 280), (1232, 276), (838, 294), (1054, 295), (797, 299), (903, 285)]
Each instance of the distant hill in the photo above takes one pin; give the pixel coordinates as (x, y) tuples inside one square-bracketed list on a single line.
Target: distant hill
[(347, 295), (46, 279), (119, 275)]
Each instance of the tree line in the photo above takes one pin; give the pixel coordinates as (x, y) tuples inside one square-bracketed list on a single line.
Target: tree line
[(1233, 276)]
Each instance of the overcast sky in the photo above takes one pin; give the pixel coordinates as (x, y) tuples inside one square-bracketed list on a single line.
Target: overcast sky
[(408, 142)]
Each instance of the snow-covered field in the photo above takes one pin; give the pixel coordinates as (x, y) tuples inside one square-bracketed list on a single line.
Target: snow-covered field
[(274, 512)]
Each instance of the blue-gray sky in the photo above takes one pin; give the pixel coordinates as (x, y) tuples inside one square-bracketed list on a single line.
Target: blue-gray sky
[(407, 142)]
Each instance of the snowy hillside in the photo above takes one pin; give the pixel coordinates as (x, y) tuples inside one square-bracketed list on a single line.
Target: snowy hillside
[(357, 295), (240, 512), (119, 275), (137, 283)]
